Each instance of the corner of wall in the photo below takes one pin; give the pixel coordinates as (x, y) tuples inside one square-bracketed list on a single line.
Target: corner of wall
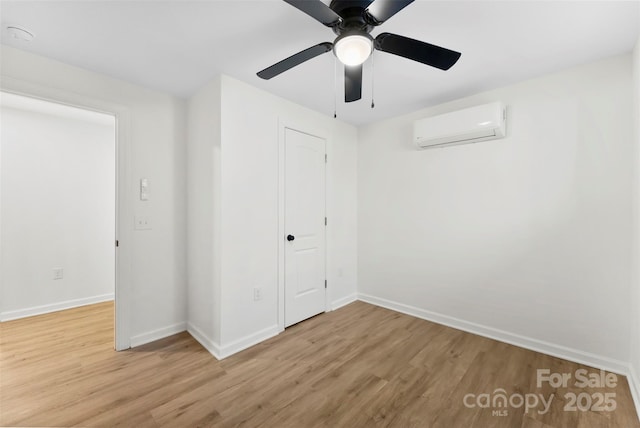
[(206, 342), (344, 301), (203, 212), (634, 357), (634, 386)]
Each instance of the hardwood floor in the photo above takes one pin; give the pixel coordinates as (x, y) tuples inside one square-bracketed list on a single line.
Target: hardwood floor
[(359, 366)]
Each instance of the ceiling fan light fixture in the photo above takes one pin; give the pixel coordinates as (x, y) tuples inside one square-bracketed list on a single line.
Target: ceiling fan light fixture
[(353, 49)]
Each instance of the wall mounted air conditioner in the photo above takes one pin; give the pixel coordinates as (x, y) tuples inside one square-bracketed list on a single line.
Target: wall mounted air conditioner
[(471, 125)]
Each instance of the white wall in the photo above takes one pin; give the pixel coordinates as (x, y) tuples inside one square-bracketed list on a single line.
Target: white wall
[(203, 191), (58, 207), (526, 238), (245, 176), (158, 151)]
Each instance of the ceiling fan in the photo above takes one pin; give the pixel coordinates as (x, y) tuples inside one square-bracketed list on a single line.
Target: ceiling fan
[(352, 21)]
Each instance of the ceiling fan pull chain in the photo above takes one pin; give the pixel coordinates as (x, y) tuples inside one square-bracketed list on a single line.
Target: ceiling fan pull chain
[(372, 74)]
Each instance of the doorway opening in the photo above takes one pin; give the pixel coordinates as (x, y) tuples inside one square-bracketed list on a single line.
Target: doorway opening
[(58, 207)]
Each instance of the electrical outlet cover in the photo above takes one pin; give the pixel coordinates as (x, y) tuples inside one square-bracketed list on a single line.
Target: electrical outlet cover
[(142, 223)]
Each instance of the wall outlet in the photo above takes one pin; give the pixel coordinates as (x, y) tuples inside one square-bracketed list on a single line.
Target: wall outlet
[(257, 293), (143, 223), (57, 273)]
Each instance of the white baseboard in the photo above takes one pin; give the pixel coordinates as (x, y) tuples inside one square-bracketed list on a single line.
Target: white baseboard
[(54, 307), (548, 348), (248, 341), (158, 334), (634, 386), (336, 304), (223, 351), (204, 340)]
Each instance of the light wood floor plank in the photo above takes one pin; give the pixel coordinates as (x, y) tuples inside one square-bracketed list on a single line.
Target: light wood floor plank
[(359, 366)]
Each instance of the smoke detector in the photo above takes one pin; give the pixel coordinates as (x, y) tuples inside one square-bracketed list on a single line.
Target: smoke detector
[(18, 33)]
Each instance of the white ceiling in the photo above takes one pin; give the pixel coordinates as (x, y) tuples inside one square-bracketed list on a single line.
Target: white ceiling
[(178, 46)]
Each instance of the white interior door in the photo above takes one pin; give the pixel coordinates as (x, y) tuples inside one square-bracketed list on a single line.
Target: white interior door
[(304, 268)]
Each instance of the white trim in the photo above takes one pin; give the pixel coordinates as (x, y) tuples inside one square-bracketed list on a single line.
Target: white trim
[(158, 334), (124, 200), (248, 341), (634, 387), (221, 352), (575, 355), (54, 307), (281, 223), (344, 301), (204, 340)]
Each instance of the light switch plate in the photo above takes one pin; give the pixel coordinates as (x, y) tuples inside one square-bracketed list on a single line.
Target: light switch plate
[(144, 189)]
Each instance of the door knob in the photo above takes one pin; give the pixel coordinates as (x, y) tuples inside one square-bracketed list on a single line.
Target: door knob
[(290, 237)]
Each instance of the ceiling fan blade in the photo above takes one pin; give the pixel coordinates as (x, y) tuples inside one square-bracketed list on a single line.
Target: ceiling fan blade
[(296, 59), (416, 50), (339, 6), (317, 10), (381, 10), (352, 83)]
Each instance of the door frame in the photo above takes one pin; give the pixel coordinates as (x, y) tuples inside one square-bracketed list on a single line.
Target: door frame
[(309, 128), (123, 202)]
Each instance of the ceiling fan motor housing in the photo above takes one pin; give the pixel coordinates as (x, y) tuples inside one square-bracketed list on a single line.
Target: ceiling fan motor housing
[(354, 17)]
